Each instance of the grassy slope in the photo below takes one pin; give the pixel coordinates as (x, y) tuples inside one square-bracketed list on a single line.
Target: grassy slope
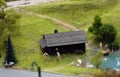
[(26, 42), (27, 49), (32, 30), (81, 12)]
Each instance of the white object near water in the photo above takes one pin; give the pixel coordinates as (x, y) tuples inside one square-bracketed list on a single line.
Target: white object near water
[(79, 61), (90, 65), (118, 63), (105, 59)]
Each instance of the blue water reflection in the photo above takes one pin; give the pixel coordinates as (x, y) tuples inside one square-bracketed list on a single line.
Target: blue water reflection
[(112, 61)]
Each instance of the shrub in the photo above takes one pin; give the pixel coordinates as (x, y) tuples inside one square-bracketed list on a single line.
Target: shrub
[(96, 59), (108, 33), (105, 32), (8, 20), (2, 15), (90, 29), (95, 25), (12, 17)]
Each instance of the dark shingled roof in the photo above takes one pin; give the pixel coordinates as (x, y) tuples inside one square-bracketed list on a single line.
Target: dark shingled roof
[(63, 38)]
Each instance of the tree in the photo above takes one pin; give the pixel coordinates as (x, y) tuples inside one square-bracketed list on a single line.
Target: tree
[(2, 5), (105, 32), (10, 56), (108, 33), (2, 15), (95, 25), (96, 59), (8, 21)]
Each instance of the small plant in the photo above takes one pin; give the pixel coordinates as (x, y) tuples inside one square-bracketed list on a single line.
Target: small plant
[(96, 59)]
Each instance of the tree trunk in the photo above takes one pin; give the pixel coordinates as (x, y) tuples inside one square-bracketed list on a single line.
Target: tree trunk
[(2, 9)]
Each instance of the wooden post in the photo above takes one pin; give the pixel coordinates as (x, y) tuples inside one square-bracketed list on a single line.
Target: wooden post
[(39, 72)]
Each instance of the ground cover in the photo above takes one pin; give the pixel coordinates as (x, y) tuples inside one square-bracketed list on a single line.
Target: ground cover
[(80, 13)]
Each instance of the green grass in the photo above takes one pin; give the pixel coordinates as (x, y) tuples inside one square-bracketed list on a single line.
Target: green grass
[(30, 28), (81, 12), (31, 31), (26, 42), (78, 70)]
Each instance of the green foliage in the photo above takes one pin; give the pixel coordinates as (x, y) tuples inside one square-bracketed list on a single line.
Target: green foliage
[(2, 5), (11, 18), (1, 26), (26, 43), (0, 55), (10, 56), (96, 25), (78, 71), (108, 33), (91, 29), (77, 13), (2, 15), (8, 21), (80, 13), (96, 59), (105, 32)]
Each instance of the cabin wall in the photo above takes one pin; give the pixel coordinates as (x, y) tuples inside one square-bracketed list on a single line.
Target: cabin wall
[(74, 49)]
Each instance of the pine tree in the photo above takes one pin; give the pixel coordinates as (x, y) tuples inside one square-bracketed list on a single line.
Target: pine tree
[(10, 56)]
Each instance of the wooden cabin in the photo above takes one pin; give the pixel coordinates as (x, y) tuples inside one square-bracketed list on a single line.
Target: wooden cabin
[(64, 42)]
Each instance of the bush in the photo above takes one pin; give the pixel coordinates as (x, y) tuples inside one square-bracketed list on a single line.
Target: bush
[(96, 25), (12, 17), (105, 32), (8, 20), (2, 15), (90, 29), (96, 59), (108, 33)]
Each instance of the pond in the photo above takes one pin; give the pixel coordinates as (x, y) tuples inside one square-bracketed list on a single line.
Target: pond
[(112, 61)]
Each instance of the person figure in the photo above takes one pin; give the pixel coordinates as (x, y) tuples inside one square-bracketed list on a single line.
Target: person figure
[(100, 45), (58, 56), (106, 46), (45, 55)]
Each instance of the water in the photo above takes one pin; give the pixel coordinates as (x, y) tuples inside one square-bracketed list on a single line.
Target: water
[(112, 61)]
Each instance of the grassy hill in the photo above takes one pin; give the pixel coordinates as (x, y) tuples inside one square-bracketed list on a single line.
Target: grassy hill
[(26, 41), (79, 13)]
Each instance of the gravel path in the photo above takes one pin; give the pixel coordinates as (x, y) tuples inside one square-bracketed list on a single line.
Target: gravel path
[(57, 21), (15, 4), (4, 72), (27, 2)]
